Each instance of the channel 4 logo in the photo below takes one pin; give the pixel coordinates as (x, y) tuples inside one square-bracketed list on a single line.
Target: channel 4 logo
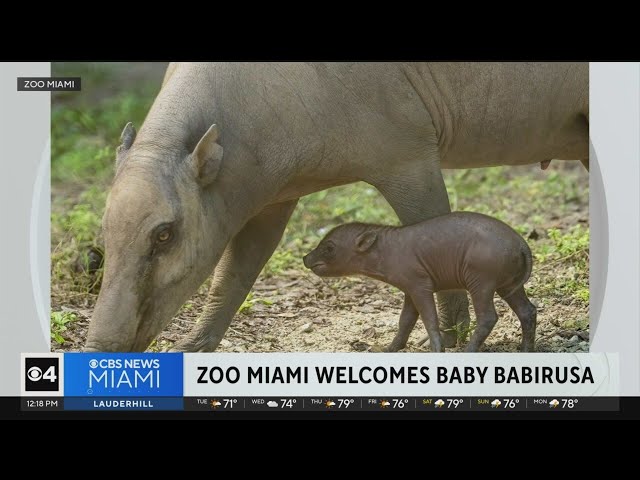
[(42, 374)]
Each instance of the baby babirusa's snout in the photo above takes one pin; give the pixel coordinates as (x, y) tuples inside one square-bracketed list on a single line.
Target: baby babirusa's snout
[(307, 260)]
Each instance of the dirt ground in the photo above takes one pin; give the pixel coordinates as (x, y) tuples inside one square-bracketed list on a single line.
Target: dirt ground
[(310, 314)]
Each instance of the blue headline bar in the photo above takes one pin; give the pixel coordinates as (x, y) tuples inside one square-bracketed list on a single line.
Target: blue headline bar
[(123, 375)]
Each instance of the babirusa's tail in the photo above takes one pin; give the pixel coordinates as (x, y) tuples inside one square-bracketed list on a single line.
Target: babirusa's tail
[(528, 261)]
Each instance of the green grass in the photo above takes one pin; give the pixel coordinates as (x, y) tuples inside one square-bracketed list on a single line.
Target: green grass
[(566, 256), (59, 321), (250, 301), (86, 131)]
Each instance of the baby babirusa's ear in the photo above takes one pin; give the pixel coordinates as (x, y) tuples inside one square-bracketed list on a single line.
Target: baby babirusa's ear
[(365, 241)]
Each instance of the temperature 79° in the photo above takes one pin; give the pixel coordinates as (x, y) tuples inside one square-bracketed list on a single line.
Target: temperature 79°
[(345, 402)]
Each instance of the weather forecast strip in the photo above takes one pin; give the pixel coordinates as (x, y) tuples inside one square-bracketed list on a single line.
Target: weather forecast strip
[(440, 404), (218, 405)]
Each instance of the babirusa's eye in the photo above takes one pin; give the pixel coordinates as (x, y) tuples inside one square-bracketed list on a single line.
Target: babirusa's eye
[(163, 235)]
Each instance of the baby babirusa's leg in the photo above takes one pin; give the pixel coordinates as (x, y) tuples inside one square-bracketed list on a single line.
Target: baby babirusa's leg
[(427, 308), (486, 318), (526, 312), (408, 319)]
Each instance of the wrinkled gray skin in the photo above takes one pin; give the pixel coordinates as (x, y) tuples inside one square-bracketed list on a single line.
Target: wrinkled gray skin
[(181, 206), (461, 250)]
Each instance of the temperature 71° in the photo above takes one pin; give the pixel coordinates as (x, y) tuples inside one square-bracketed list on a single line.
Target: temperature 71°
[(229, 402)]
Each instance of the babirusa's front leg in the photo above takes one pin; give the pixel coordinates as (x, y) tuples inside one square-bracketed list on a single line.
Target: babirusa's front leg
[(243, 259), (429, 314), (408, 319)]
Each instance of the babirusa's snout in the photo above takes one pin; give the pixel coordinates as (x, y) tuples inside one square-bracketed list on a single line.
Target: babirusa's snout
[(115, 320)]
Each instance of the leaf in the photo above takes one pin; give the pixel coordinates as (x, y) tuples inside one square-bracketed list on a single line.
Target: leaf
[(369, 333)]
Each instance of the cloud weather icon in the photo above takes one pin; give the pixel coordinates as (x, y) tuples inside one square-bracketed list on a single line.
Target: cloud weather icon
[(272, 404), (439, 403), (554, 403), (496, 403)]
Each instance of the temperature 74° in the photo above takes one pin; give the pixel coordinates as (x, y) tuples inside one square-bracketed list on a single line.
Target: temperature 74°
[(287, 402)]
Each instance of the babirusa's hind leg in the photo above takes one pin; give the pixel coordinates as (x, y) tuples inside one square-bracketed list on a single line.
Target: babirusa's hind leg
[(486, 318), (527, 314)]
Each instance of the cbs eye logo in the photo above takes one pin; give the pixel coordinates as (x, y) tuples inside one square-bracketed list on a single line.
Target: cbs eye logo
[(41, 374)]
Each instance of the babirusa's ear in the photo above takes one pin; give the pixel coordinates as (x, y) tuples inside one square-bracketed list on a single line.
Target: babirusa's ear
[(207, 157), (365, 241), (127, 137)]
